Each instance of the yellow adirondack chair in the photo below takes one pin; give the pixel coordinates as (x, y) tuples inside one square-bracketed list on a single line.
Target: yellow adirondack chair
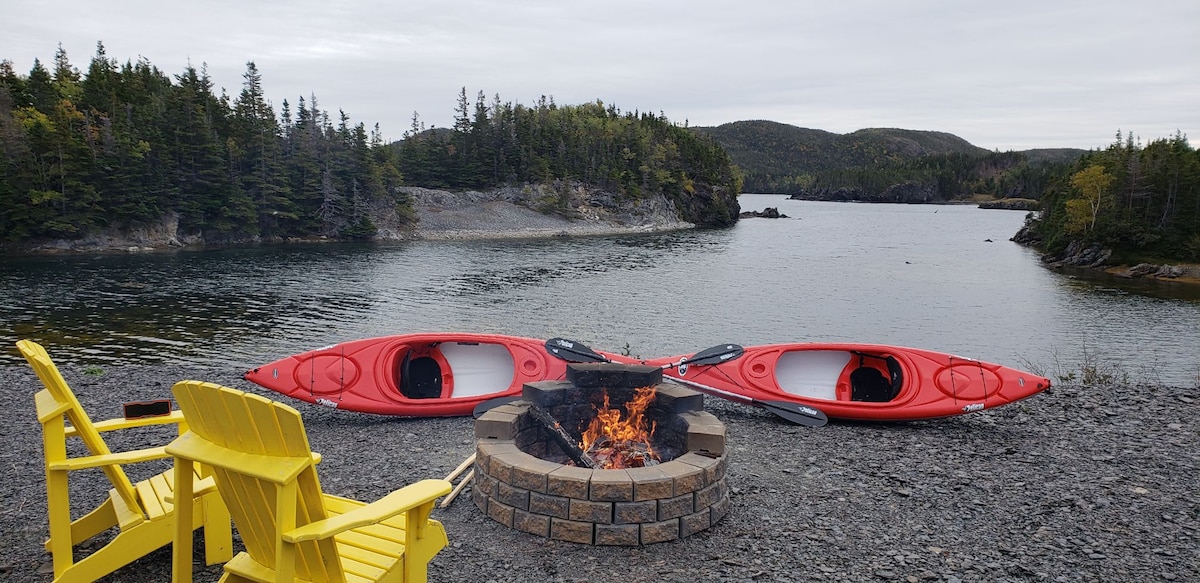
[(267, 475), (141, 511)]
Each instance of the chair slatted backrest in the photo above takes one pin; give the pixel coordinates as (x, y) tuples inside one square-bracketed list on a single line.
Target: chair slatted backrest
[(264, 470), (62, 402)]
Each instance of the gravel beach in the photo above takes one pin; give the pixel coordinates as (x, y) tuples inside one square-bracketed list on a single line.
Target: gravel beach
[(1075, 484)]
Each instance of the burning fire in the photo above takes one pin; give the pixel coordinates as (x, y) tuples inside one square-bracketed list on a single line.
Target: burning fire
[(615, 443)]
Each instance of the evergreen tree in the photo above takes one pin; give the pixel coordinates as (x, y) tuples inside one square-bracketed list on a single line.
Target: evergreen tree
[(256, 158), (207, 197), (1138, 201), (127, 146)]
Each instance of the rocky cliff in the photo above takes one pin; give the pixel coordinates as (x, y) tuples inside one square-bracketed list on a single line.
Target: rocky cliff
[(557, 209)]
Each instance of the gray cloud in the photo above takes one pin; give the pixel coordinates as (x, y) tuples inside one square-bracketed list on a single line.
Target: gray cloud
[(1013, 75)]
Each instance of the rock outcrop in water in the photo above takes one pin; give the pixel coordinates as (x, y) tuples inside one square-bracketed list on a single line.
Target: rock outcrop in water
[(907, 192), (1095, 256), (1011, 204), (767, 213)]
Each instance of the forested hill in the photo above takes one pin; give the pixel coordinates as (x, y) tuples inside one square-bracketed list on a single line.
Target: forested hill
[(879, 163), (770, 148), (1139, 202), (633, 154), (117, 149)]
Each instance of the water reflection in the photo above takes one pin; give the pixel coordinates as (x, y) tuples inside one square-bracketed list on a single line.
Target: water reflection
[(909, 275), (1090, 280)]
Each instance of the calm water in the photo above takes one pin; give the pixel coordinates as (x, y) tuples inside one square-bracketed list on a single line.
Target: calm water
[(923, 276)]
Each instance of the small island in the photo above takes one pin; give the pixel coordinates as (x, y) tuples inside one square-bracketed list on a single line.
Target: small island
[(129, 157)]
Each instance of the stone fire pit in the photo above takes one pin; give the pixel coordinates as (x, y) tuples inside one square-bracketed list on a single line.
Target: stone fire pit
[(523, 478)]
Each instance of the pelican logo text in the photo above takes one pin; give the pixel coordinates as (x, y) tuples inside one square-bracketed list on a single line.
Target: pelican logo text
[(973, 407), (327, 403)]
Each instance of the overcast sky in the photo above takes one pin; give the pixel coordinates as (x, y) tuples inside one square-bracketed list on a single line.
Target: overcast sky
[(1008, 75)]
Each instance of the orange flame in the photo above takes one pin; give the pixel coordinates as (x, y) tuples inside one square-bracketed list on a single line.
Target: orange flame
[(608, 430)]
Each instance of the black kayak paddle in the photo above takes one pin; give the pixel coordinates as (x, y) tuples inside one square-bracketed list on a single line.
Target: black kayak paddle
[(488, 405), (714, 355), (786, 410), (572, 351)]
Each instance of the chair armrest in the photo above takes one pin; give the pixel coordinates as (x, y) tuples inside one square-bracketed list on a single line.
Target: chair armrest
[(176, 416), (111, 459), (402, 500)]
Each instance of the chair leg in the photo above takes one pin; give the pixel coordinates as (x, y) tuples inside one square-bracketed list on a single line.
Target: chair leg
[(185, 520), (423, 540), (218, 529), (58, 506)]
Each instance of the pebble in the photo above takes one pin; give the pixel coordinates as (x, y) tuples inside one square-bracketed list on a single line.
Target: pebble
[(1051, 489)]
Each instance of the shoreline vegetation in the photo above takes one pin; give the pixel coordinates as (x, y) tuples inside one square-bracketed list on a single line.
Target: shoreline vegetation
[(511, 213), (117, 152), (131, 159), (132, 149)]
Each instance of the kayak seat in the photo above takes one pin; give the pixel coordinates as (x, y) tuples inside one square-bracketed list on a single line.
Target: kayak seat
[(896, 376), (870, 385), (420, 378)]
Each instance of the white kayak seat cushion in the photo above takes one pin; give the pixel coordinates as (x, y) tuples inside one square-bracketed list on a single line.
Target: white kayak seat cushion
[(811, 373), (478, 369)]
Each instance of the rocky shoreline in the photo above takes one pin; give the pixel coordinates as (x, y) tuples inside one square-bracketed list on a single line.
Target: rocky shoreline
[(509, 213), (1080, 483), (1096, 257), (570, 210), (908, 193), (531, 211)]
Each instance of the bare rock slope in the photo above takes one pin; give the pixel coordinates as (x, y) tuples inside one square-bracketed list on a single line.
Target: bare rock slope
[(536, 211)]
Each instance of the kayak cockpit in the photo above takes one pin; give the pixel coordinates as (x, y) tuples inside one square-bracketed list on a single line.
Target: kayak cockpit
[(838, 375), (455, 370)]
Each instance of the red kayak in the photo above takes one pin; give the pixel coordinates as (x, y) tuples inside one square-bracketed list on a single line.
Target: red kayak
[(436, 374), (872, 382)]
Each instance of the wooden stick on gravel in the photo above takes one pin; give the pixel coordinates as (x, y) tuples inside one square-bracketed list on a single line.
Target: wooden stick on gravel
[(457, 489), (460, 468)]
